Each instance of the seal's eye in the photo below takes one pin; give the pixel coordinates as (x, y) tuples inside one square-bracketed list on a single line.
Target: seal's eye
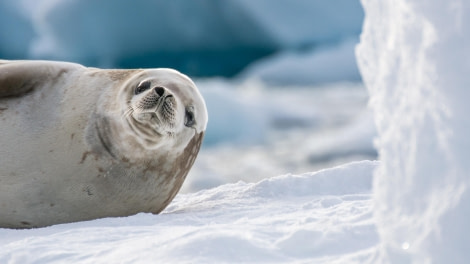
[(142, 87), (189, 120)]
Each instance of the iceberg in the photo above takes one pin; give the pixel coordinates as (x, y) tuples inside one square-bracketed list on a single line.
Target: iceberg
[(203, 38), (414, 57)]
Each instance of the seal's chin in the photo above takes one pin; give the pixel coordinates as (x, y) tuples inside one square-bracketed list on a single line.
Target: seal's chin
[(162, 121), (153, 121)]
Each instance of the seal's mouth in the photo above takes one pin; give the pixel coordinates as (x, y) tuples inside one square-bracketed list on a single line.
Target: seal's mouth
[(164, 112), (155, 107)]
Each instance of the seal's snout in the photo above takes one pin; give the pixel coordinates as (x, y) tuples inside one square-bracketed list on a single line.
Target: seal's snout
[(160, 91)]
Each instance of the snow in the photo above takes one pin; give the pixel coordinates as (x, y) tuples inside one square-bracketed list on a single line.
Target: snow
[(322, 217), (257, 130), (244, 112), (233, 207), (284, 113), (414, 57)]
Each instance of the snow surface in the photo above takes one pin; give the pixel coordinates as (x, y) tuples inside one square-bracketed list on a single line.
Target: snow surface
[(415, 60), (322, 217), (257, 130)]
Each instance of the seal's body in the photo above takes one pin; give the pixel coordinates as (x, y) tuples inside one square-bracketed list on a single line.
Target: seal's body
[(81, 143)]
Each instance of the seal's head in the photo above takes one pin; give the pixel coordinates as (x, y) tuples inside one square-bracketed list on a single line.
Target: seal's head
[(165, 103)]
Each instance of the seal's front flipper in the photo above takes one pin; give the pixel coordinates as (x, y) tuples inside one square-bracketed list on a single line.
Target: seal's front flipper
[(20, 77)]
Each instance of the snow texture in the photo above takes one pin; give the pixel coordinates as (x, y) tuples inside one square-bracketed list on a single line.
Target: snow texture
[(414, 57), (258, 130), (411, 207), (322, 217)]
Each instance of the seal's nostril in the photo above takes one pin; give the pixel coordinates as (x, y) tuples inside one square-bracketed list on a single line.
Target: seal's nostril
[(159, 90)]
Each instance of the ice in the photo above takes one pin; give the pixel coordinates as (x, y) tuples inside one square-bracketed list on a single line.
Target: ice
[(257, 130), (412, 206), (323, 217), (233, 206), (203, 38), (245, 112), (415, 59), (315, 66), (16, 31)]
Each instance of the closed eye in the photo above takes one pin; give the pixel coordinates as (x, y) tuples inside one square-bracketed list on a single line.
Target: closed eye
[(189, 119), (142, 87)]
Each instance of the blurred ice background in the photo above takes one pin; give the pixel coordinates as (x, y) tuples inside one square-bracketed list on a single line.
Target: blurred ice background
[(279, 77)]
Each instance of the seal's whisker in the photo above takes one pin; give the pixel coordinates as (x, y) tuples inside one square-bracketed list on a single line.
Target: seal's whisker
[(115, 140), (128, 112)]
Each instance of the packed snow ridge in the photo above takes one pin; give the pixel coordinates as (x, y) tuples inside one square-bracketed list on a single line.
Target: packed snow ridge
[(315, 217), (414, 57)]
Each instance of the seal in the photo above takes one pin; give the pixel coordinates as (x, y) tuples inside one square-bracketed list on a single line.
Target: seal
[(80, 143)]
